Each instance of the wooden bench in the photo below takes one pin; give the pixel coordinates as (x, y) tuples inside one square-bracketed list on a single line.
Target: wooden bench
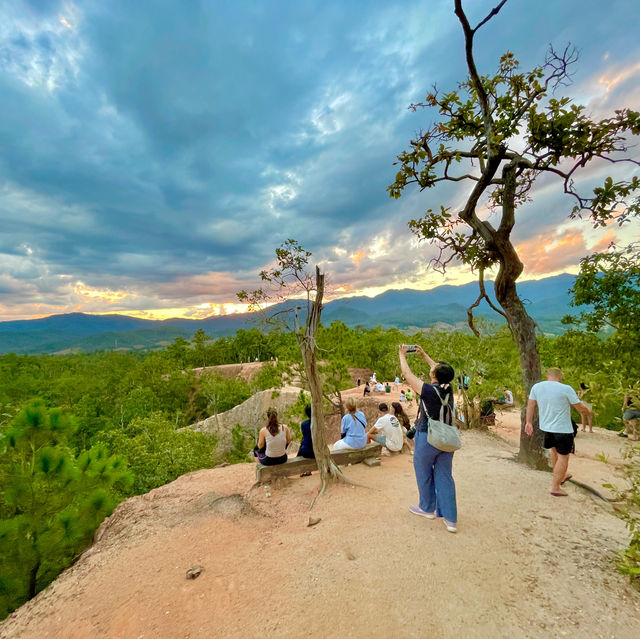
[(297, 465)]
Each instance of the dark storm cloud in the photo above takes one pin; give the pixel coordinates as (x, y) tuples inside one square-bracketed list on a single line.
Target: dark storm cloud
[(147, 146)]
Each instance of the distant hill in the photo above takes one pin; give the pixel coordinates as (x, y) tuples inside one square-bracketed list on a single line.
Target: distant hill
[(446, 306)]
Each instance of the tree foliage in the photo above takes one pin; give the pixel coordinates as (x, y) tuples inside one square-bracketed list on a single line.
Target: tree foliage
[(157, 452), (499, 134), (629, 563), (609, 283), (52, 501)]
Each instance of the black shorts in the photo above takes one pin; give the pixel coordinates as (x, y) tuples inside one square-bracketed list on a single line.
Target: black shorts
[(562, 442)]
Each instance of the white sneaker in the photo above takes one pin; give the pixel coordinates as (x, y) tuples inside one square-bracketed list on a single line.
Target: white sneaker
[(450, 526), (416, 510), (386, 453)]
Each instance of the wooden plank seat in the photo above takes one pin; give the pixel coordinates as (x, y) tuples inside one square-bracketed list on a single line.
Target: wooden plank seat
[(297, 465)]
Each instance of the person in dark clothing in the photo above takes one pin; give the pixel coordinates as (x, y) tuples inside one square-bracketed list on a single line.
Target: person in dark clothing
[(306, 446)]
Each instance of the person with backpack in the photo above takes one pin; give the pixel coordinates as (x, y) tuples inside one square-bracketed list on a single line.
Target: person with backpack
[(353, 427), (432, 466)]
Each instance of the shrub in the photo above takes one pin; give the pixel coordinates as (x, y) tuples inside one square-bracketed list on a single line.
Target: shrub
[(629, 563), (158, 453), (241, 443)]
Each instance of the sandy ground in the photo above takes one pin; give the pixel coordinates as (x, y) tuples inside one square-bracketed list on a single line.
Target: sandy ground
[(523, 563)]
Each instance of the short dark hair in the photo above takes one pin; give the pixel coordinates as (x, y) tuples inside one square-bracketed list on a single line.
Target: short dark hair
[(307, 410), (383, 407), (443, 372)]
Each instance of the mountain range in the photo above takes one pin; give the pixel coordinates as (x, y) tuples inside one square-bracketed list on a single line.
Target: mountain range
[(443, 307)]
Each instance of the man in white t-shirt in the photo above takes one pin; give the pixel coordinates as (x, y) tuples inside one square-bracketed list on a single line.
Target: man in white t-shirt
[(554, 401), (387, 430)]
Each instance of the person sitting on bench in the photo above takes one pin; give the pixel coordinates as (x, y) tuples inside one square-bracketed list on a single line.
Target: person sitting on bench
[(352, 427), (273, 440), (306, 446), (387, 430)]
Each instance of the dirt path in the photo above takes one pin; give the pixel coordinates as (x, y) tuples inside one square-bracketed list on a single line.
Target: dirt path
[(523, 564)]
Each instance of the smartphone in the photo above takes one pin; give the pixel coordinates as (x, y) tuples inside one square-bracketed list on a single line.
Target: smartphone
[(411, 348)]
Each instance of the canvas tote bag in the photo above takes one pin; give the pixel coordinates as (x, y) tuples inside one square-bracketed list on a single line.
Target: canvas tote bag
[(441, 435)]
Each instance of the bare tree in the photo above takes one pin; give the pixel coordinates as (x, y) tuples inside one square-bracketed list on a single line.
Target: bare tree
[(288, 280), (499, 134)]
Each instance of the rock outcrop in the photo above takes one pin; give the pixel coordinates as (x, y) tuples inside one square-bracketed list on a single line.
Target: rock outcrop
[(251, 414)]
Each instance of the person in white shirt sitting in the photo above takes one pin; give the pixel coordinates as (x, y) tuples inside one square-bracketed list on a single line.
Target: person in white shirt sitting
[(387, 430)]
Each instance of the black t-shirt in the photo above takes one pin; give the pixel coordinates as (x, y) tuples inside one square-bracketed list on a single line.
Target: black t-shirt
[(432, 403)]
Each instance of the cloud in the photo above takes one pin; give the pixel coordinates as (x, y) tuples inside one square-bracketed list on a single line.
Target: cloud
[(552, 253), (160, 156)]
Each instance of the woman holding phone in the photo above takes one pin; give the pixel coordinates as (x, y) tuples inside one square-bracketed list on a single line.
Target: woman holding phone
[(432, 466)]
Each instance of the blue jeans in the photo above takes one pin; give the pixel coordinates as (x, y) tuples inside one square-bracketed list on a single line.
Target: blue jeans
[(435, 481)]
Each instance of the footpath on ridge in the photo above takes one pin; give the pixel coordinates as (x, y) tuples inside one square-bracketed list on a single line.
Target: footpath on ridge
[(523, 564)]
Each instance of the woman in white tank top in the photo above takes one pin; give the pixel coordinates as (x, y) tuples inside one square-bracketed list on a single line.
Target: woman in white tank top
[(272, 441)]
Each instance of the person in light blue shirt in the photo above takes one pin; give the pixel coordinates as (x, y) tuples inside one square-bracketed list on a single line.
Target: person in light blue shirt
[(554, 400), (352, 428)]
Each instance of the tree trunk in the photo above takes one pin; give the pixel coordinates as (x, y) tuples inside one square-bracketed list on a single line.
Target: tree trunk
[(318, 434), (33, 574), (329, 472), (523, 329)]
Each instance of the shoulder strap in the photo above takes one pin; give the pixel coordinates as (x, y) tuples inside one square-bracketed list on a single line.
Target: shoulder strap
[(444, 403)]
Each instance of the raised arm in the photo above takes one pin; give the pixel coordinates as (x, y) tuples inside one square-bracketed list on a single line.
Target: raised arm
[(424, 356), (413, 380)]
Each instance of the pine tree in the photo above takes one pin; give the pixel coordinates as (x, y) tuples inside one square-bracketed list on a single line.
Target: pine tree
[(51, 501)]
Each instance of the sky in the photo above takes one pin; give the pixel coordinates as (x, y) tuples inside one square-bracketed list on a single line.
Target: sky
[(155, 153)]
